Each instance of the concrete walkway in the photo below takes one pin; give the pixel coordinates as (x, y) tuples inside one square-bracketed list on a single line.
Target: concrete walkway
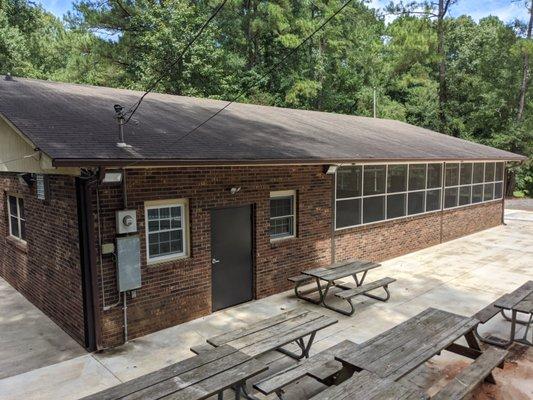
[(28, 338), (461, 276)]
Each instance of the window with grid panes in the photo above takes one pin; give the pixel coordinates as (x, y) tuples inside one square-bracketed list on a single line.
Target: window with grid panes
[(282, 214), (17, 220), (166, 230)]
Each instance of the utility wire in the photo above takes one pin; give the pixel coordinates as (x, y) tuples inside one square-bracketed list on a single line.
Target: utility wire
[(134, 108), (18, 159), (264, 75)]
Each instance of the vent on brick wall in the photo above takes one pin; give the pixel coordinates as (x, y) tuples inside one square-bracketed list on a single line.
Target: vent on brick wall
[(40, 186)]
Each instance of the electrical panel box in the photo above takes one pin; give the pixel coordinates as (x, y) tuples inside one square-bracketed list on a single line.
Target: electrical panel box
[(128, 263), (126, 221)]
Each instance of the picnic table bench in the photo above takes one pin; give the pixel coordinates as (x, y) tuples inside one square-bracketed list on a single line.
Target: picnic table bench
[(518, 301), (195, 378), (466, 381), (274, 333), (322, 366), (332, 274)]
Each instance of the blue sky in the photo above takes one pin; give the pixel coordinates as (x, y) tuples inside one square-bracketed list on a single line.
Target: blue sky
[(507, 10)]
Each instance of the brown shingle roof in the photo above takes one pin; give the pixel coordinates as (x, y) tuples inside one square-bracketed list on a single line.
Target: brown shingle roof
[(75, 124)]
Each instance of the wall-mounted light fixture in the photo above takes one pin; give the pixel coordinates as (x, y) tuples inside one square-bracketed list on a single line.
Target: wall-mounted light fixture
[(112, 177), (26, 179), (235, 190), (331, 169)]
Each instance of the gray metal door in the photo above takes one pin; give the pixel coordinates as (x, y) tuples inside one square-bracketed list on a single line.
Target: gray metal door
[(231, 256)]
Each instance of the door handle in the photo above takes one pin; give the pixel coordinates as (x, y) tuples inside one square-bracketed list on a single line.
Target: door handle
[(214, 261)]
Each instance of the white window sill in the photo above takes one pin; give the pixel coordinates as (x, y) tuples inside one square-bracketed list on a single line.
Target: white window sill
[(19, 243), (281, 239), (164, 260)]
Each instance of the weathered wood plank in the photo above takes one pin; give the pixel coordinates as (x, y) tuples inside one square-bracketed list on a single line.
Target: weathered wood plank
[(487, 313), (279, 340), (188, 378), (300, 278), (404, 347), (319, 270), (426, 352), (367, 287), (289, 375), (526, 305), (381, 344), (216, 384), (508, 301), (255, 327), (349, 269), (367, 386), (470, 377), (275, 330), (202, 348), (393, 354), (155, 377)]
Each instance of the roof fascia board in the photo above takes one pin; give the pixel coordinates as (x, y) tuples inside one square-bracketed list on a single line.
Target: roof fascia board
[(132, 164)]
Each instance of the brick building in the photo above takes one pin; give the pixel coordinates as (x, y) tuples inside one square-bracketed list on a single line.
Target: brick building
[(115, 241)]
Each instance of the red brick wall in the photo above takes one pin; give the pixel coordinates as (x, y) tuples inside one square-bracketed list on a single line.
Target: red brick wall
[(382, 241), (177, 291), (47, 269)]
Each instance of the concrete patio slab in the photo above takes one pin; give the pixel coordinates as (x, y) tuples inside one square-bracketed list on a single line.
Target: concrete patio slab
[(460, 276), (28, 338), (56, 381)]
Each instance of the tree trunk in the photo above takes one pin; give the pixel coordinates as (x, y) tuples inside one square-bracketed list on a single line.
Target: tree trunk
[(442, 64), (525, 76)]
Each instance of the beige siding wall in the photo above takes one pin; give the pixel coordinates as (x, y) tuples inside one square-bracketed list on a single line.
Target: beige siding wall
[(14, 147)]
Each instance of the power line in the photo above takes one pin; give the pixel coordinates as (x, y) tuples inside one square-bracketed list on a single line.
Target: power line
[(134, 108), (18, 159), (264, 75)]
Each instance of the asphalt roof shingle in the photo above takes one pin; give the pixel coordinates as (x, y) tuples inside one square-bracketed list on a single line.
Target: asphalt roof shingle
[(76, 124)]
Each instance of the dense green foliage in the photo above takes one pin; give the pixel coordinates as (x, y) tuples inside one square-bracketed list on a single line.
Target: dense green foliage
[(127, 43)]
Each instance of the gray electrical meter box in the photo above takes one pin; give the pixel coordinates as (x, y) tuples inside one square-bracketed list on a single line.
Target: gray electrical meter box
[(128, 263)]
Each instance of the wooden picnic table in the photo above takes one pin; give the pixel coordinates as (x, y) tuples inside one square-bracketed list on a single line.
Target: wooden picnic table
[(195, 378), (345, 269), (398, 351), (377, 368), (518, 301), (276, 332)]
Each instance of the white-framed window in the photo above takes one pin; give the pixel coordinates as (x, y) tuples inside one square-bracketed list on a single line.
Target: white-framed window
[(17, 220), (166, 229), (370, 193), (473, 182), (282, 214)]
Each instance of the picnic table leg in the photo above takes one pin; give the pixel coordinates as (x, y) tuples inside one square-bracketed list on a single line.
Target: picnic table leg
[(305, 347), (518, 321), (497, 341), (524, 339), (303, 296), (240, 390), (337, 309), (473, 344), (357, 281)]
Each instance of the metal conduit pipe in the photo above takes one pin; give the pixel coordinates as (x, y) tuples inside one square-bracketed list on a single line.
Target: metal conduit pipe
[(100, 256)]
